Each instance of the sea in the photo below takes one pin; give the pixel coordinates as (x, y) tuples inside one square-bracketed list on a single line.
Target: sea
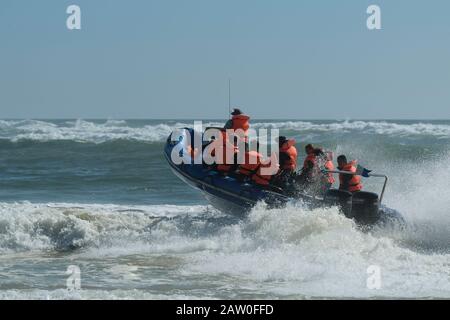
[(89, 209)]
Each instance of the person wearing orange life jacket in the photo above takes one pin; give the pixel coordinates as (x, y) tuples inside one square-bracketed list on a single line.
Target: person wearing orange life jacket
[(287, 160), (348, 182), (310, 168), (288, 154), (238, 121), (330, 166), (325, 162), (313, 179), (252, 168), (224, 165)]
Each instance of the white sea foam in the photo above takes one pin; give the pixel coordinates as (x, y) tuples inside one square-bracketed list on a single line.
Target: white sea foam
[(26, 226), (289, 252), (321, 253), (97, 132), (64, 294)]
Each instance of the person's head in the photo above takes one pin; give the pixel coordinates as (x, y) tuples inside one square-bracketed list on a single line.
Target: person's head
[(236, 112), (342, 161), (309, 149), (281, 140)]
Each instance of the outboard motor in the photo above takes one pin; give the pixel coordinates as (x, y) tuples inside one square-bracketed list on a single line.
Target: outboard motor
[(365, 207), (340, 198)]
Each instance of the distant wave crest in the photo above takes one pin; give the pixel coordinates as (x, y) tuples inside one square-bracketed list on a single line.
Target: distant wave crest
[(110, 130)]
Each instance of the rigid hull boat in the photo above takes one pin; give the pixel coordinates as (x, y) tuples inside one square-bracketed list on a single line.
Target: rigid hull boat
[(231, 195)]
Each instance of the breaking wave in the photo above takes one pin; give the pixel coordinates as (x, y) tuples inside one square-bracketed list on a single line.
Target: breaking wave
[(26, 226), (193, 251), (153, 131), (292, 251)]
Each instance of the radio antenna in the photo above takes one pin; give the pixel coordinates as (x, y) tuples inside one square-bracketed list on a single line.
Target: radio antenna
[(229, 97)]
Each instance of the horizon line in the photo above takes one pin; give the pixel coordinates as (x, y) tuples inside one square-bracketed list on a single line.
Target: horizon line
[(272, 119)]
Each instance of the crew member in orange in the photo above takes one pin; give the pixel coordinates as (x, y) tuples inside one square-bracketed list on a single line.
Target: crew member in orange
[(288, 154), (252, 166), (226, 165), (325, 161), (310, 168), (238, 121), (348, 182)]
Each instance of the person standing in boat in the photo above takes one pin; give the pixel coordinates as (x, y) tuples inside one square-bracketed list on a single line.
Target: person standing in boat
[(238, 120), (239, 123), (348, 182)]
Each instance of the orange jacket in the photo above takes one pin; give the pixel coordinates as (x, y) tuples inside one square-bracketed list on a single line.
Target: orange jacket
[(241, 122), (289, 149), (310, 165), (329, 166), (354, 184), (225, 166), (252, 168), (309, 158)]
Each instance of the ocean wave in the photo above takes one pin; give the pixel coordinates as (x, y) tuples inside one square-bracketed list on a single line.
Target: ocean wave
[(290, 251), (27, 227), (370, 127), (98, 132), (81, 131), (64, 294)]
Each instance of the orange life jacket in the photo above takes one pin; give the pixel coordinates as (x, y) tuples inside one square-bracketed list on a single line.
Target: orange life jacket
[(289, 149), (355, 182), (225, 166), (260, 178), (251, 163), (252, 168), (309, 158), (329, 166), (241, 121)]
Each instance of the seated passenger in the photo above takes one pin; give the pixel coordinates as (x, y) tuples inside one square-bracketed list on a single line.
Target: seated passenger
[(310, 168), (348, 182), (227, 163), (288, 154), (252, 168), (313, 179), (287, 162), (325, 161)]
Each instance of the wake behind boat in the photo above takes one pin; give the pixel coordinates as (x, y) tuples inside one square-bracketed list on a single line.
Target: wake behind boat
[(230, 194)]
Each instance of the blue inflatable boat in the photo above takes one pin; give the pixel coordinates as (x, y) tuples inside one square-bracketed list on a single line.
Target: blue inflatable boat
[(234, 196)]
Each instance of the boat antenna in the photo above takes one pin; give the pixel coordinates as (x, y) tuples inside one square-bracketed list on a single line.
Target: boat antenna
[(229, 98)]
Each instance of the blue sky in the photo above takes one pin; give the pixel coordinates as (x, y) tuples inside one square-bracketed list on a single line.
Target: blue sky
[(287, 59)]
